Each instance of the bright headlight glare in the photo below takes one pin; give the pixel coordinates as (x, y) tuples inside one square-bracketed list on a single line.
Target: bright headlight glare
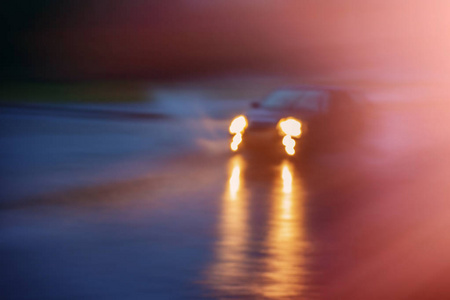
[(291, 126), (288, 141), (289, 145), (238, 125), (237, 139)]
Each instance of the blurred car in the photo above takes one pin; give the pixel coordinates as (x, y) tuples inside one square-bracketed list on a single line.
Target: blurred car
[(293, 118)]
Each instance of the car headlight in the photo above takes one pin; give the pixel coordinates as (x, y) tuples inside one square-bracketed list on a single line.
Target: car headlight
[(238, 125), (237, 139), (291, 127)]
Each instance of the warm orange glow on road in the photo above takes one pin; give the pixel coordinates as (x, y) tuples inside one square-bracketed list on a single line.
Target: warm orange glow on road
[(231, 249), (286, 240), (286, 175), (263, 258), (234, 181)]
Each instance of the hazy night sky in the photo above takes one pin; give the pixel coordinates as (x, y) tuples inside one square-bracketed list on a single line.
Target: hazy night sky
[(82, 40)]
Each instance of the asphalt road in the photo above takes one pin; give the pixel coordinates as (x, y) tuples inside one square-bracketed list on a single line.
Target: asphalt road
[(367, 222)]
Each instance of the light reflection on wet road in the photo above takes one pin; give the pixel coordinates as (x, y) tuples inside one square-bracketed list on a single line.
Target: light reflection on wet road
[(286, 241), (364, 224), (278, 269)]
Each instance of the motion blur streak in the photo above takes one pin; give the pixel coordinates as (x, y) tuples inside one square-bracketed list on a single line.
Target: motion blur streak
[(285, 241), (228, 274)]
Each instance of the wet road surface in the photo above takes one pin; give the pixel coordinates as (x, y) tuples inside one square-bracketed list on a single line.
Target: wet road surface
[(363, 223)]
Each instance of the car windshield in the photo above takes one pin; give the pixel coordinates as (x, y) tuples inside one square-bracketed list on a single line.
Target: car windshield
[(285, 99)]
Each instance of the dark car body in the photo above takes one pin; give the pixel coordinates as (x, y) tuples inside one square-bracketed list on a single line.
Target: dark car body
[(328, 117)]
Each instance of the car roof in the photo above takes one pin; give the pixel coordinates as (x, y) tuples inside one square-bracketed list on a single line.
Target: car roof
[(334, 91), (311, 88)]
